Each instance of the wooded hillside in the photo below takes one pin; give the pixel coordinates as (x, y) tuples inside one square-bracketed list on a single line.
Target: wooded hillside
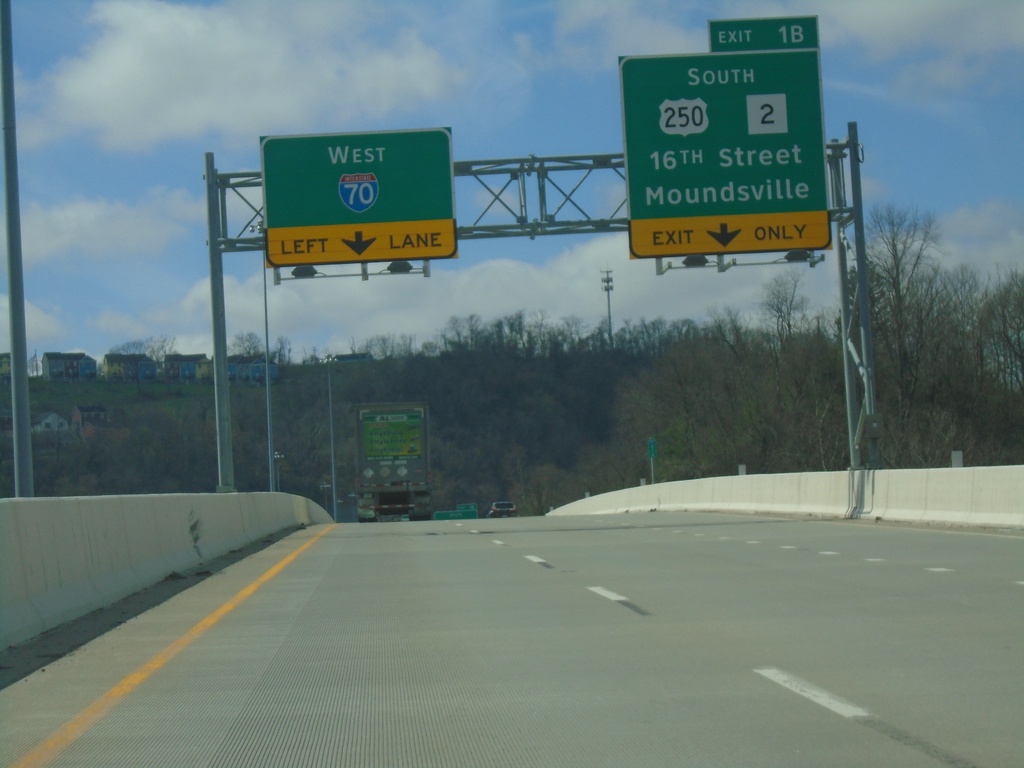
[(543, 411)]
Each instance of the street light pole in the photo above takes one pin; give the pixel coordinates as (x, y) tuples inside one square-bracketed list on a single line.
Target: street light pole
[(330, 419), (607, 287), (24, 482)]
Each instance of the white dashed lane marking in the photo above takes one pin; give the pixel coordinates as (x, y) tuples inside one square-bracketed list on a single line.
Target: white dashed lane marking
[(538, 561), (620, 599), (813, 693), (608, 594)]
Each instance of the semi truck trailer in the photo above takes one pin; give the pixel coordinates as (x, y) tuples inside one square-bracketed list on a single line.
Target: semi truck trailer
[(394, 462)]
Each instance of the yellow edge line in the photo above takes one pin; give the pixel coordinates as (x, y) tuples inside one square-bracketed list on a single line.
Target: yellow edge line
[(48, 750)]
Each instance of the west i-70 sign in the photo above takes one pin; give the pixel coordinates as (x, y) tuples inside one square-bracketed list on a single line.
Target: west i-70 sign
[(725, 153), (336, 198)]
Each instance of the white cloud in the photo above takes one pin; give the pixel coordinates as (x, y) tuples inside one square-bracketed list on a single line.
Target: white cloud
[(107, 230), (42, 328), (592, 34), (890, 30), (988, 237), (929, 50), (157, 71), (120, 325)]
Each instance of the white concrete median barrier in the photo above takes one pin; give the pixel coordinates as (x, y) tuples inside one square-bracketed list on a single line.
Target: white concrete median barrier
[(61, 558), (977, 496)]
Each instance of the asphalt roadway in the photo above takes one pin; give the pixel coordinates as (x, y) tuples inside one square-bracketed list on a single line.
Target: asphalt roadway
[(654, 639)]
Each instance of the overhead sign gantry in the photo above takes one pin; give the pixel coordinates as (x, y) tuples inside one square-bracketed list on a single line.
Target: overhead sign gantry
[(724, 153)]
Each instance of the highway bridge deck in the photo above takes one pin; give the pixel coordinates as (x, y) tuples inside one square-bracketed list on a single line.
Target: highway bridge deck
[(616, 640)]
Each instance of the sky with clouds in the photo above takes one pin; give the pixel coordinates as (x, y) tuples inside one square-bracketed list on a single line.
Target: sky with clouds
[(118, 101)]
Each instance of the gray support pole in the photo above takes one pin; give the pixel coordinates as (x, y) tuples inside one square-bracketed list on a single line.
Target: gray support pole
[(334, 475), (221, 399), (849, 366), (837, 153), (266, 382), (869, 412), (23, 481)]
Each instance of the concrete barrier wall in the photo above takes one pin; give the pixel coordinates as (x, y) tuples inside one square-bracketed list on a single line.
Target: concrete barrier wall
[(979, 496), (61, 558)]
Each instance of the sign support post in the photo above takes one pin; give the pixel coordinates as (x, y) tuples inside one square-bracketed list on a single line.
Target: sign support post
[(221, 396), (864, 423)]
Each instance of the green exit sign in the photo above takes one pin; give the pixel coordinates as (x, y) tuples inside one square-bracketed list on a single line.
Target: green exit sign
[(358, 197), (725, 153), (793, 33)]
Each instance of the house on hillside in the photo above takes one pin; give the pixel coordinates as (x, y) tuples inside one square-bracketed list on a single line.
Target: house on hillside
[(188, 369), (85, 419), (68, 366), (128, 367), (49, 423), (250, 369)]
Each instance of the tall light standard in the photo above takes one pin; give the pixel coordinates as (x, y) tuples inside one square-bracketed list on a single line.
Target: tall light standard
[(330, 420), (266, 383), (24, 482), (606, 286)]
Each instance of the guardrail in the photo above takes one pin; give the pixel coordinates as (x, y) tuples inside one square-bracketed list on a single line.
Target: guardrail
[(975, 496), (61, 558)]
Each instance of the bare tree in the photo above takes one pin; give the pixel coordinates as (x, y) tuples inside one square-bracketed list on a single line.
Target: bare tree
[(133, 347), (158, 347), (907, 294), (247, 344), (283, 351), (1003, 320), (783, 307)]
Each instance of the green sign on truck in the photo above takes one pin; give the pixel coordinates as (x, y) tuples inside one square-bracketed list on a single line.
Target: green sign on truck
[(394, 462)]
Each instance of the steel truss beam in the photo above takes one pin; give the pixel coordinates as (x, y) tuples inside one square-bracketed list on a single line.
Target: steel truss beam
[(550, 196), (510, 206)]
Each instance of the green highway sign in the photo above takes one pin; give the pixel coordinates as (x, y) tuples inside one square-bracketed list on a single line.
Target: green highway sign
[(457, 514), (380, 196), (725, 153), (732, 35)]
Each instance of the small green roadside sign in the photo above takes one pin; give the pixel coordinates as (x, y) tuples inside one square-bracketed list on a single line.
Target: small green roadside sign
[(462, 512), (793, 33)]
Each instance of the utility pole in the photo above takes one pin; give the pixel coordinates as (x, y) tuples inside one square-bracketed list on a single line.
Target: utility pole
[(607, 287)]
